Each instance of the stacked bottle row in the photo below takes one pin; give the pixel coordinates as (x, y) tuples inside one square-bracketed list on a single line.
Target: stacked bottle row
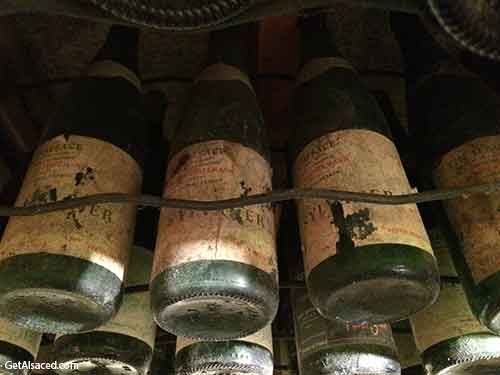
[(214, 276)]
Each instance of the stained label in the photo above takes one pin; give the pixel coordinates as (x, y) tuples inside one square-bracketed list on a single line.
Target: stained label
[(134, 319), (28, 340), (264, 338), (475, 218), (449, 317), (362, 161), (314, 333), (69, 167), (211, 171)]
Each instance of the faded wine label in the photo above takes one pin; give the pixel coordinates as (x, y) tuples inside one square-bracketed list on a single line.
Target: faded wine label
[(134, 319), (211, 171), (475, 218), (449, 317), (28, 340), (69, 167), (314, 333), (362, 161), (264, 338)]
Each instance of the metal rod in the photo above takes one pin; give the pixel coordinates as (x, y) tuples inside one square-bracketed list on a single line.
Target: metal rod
[(258, 199)]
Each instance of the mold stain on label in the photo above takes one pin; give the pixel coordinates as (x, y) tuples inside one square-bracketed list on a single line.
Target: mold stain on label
[(355, 226)]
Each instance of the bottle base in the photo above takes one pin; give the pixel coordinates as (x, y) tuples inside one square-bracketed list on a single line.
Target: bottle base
[(475, 354), (352, 359), (118, 354), (214, 299), (12, 354), (221, 358), (57, 294), (375, 283)]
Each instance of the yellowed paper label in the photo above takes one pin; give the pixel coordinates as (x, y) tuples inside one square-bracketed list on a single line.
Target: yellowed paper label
[(264, 338), (134, 319), (211, 171), (68, 167), (449, 317), (28, 340), (361, 161), (476, 218)]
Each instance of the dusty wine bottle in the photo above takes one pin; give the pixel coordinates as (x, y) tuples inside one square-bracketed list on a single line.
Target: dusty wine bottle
[(63, 271), (17, 346), (125, 344), (451, 339), (215, 273), (408, 354), (363, 262), (248, 355), (339, 347), (457, 123)]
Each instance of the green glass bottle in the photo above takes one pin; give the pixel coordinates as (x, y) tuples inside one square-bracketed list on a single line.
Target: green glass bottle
[(457, 123), (363, 263), (125, 344), (17, 346), (248, 355), (448, 335), (63, 271), (408, 354), (215, 273), (163, 361), (340, 347)]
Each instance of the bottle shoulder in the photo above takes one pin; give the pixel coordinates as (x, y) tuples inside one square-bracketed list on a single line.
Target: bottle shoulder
[(333, 101)]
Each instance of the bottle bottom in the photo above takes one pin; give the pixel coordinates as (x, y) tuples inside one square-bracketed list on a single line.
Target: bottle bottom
[(221, 358), (475, 354), (489, 313), (12, 354), (214, 299), (56, 293), (118, 354), (352, 359), (376, 283)]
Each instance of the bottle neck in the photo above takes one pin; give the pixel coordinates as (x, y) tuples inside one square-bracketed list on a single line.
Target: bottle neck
[(316, 39), (422, 56), (234, 46), (121, 47)]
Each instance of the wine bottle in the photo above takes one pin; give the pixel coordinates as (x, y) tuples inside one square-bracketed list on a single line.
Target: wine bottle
[(63, 271), (248, 355), (163, 361), (125, 344), (215, 273), (457, 122), (408, 354), (363, 262), (449, 336), (17, 346), (340, 347)]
